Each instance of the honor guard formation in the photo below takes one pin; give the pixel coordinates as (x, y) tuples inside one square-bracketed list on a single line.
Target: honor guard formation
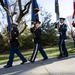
[(37, 32)]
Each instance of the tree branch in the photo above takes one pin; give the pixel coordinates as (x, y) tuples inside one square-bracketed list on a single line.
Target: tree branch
[(25, 26), (24, 11), (20, 5)]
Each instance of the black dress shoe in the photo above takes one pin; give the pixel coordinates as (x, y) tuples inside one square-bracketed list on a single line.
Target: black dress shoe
[(7, 66), (23, 62), (44, 59), (65, 55), (31, 61), (59, 57)]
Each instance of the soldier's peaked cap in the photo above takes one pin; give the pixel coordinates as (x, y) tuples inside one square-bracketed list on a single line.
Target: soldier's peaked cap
[(62, 18)]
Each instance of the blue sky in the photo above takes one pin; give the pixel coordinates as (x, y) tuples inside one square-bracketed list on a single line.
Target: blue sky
[(65, 7)]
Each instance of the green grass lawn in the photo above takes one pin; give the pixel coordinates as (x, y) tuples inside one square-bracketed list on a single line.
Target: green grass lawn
[(53, 51)]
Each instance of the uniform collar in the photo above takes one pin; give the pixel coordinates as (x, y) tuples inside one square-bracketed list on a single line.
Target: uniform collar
[(61, 23)]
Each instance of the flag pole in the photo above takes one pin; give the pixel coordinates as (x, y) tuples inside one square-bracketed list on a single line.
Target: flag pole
[(57, 12), (9, 19)]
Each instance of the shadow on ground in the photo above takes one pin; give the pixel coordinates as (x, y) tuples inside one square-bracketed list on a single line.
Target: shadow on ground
[(18, 69)]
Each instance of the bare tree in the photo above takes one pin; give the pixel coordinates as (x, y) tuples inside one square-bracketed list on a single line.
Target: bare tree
[(19, 10), (24, 11)]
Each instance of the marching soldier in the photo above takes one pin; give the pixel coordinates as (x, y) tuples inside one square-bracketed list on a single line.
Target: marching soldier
[(62, 37), (37, 42), (14, 47)]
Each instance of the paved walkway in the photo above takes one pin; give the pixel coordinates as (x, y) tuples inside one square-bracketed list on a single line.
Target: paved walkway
[(52, 66)]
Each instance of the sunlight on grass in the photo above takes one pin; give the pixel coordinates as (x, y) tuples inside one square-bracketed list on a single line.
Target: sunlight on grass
[(54, 51)]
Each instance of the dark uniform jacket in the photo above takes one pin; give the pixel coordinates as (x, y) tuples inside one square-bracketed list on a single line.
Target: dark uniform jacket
[(14, 38), (62, 31), (37, 33)]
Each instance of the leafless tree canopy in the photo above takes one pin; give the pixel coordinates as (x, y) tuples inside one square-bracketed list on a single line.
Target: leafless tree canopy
[(19, 8)]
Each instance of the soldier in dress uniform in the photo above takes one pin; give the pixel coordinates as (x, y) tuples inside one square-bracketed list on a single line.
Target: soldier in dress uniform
[(36, 30), (14, 47), (62, 31)]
